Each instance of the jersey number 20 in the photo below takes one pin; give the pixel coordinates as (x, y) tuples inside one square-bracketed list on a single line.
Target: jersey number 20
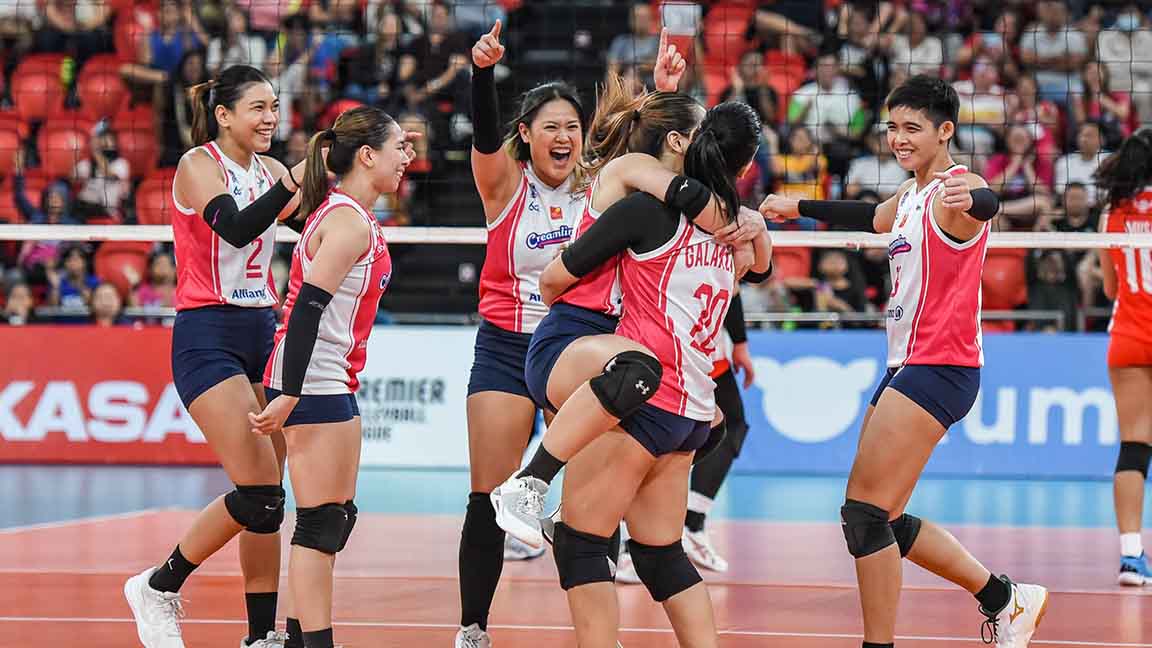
[(711, 318)]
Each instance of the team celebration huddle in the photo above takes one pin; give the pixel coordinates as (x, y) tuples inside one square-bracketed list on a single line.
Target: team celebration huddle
[(624, 329)]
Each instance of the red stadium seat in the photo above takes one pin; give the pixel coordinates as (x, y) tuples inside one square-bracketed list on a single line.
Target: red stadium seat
[(37, 94), (34, 184), (112, 258), (61, 145), (791, 263), (154, 200), (10, 119), (140, 117), (1004, 284), (10, 143), (101, 90), (139, 148)]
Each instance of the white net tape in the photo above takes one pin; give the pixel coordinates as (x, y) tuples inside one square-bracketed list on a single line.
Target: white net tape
[(478, 235)]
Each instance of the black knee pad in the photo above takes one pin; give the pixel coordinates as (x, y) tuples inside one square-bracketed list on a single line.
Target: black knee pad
[(581, 558), (716, 436), (665, 571), (321, 528), (1134, 456), (627, 382), (351, 510), (905, 528), (866, 528), (259, 509)]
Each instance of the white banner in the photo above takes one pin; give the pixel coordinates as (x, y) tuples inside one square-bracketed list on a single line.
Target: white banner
[(412, 396)]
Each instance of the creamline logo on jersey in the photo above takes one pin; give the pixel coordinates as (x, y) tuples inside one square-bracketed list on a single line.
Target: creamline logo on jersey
[(398, 400), (898, 246), (558, 236)]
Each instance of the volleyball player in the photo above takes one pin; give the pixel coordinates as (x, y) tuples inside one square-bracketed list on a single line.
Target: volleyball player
[(228, 198), (939, 221), (677, 282), (531, 185), (1126, 176), (340, 269)]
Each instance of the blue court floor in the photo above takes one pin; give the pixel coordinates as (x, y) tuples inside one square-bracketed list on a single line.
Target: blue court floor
[(46, 494)]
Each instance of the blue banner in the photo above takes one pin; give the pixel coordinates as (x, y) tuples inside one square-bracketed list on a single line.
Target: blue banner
[(1045, 408)]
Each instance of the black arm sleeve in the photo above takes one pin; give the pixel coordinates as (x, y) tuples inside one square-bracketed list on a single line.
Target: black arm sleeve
[(485, 111), (687, 196), (734, 321), (985, 204), (855, 215), (295, 223), (637, 221), (754, 277), (239, 227), (300, 338)]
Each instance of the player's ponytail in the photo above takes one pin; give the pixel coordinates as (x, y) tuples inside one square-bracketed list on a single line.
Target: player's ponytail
[(723, 147), (1124, 173), (624, 123), (354, 128), (225, 90)]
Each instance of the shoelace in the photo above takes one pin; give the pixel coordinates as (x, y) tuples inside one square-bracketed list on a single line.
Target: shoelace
[(173, 611), (990, 630), (472, 639), (273, 640), (532, 502)]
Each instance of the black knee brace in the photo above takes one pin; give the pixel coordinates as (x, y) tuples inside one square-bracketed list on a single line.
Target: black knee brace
[(581, 558), (716, 436), (866, 528), (351, 510), (259, 509), (322, 528), (665, 571), (627, 382), (905, 528), (1134, 456)]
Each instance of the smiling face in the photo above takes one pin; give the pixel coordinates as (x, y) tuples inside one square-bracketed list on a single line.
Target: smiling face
[(914, 139), (556, 140), (387, 163), (252, 121)]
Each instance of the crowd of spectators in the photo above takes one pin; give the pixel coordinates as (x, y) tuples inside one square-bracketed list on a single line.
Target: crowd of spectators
[(1047, 88)]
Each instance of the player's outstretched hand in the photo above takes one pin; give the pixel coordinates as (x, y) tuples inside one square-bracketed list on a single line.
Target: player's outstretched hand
[(488, 51)]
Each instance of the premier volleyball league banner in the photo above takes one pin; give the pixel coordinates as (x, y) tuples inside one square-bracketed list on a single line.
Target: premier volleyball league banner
[(1045, 407)]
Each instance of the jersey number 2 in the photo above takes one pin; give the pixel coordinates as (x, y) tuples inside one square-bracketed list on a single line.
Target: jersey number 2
[(711, 318), (253, 269)]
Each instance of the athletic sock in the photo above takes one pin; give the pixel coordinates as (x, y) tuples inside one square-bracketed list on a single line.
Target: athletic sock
[(295, 634), (869, 644), (1131, 545), (481, 560), (995, 595), (543, 466), (318, 638), (694, 521), (170, 576), (699, 505), (261, 614)]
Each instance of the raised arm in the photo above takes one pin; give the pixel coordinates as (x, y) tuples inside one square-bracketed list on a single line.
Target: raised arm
[(495, 172)]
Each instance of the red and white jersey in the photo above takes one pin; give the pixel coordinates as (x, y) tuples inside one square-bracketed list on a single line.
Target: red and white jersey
[(600, 289), (676, 299), (934, 306), (209, 271), (1132, 309), (535, 225), (342, 341), (721, 354)]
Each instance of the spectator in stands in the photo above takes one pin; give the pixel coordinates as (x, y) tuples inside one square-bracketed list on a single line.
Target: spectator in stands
[(917, 50), (831, 110), (104, 177), (72, 288), (1123, 48), (174, 107), (381, 73), (1079, 167), (1000, 46), (1053, 50), (1041, 116), (159, 288), (266, 16), (106, 305), (178, 32), (1052, 289), (290, 82), (19, 306), (878, 172), (296, 148), (983, 109), (836, 289), (860, 51), (1111, 109), (748, 83), (802, 172), (441, 62), (236, 45), (1021, 177), (637, 47), (76, 27)]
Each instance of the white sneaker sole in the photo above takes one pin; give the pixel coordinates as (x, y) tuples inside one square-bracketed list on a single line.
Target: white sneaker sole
[(533, 537), (1128, 579), (133, 594)]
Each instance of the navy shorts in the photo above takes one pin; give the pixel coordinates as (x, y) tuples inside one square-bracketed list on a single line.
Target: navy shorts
[(663, 432), (327, 408), (214, 343), (946, 392), (563, 325), (498, 364)]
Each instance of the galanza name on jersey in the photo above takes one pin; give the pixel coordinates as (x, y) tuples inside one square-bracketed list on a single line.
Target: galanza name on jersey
[(555, 237), (708, 254)]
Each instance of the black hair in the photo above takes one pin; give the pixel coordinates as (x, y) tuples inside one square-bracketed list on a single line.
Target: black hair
[(936, 97), (530, 103), (724, 144), (225, 90), (1128, 170), (355, 127)]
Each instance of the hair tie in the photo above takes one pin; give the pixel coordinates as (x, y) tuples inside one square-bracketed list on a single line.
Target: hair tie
[(636, 115), (330, 135)]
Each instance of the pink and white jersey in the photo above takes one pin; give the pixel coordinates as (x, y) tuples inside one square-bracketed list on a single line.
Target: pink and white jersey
[(677, 297), (600, 289), (934, 307), (209, 271), (342, 341), (528, 234)]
